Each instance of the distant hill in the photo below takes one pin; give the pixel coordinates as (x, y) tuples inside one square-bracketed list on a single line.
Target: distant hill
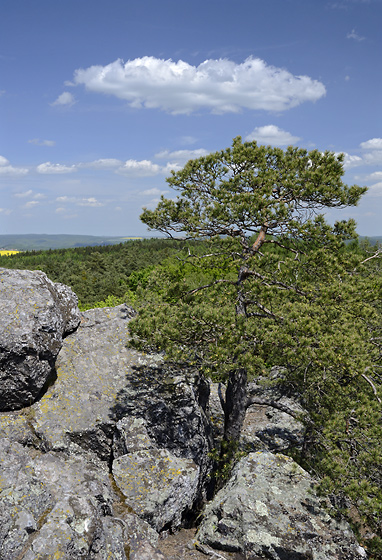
[(38, 242)]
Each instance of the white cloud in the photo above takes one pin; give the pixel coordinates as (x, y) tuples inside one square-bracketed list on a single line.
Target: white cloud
[(5, 211), (102, 163), (372, 154), (373, 144), (93, 202), (354, 35), (220, 86), (31, 204), (181, 156), (153, 192), (66, 98), (144, 168), (7, 169), (38, 142), (376, 176), (60, 210), (65, 199), (271, 134), (376, 189), (3, 161), (351, 160), (54, 168), (24, 194)]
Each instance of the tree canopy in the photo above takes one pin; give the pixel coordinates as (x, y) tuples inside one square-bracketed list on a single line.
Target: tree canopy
[(278, 286)]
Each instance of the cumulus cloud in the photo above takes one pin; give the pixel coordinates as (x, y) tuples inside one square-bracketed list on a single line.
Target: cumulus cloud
[(7, 169), (373, 144), (66, 99), (38, 142), (371, 154), (144, 168), (271, 134), (55, 168), (220, 86), (351, 160)]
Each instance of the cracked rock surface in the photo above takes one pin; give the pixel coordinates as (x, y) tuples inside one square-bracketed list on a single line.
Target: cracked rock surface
[(268, 509), (113, 452), (35, 316)]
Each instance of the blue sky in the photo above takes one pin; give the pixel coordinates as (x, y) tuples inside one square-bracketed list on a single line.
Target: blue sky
[(99, 100)]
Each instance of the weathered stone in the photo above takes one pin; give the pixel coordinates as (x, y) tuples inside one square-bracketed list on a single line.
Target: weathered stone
[(113, 401), (147, 552), (35, 316), (265, 427), (158, 486), (268, 509), (55, 506)]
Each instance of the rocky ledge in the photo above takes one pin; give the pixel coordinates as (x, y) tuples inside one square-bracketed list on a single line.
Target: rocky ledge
[(105, 452)]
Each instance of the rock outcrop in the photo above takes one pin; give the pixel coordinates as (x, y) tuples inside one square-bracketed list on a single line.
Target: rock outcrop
[(116, 452), (35, 316), (268, 510)]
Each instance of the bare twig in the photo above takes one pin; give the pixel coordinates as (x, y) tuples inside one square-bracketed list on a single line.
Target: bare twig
[(372, 386)]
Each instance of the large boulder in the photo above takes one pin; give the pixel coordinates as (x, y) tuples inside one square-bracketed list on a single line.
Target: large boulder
[(35, 316), (269, 509)]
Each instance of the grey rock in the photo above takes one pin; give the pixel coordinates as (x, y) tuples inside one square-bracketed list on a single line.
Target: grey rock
[(158, 486), (265, 427), (55, 506), (147, 552), (268, 509), (116, 403), (36, 315)]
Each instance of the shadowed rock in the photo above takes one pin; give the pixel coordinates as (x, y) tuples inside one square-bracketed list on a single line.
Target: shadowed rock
[(35, 316)]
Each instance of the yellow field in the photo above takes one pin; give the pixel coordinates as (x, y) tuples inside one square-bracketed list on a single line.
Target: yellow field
[(6, 252)]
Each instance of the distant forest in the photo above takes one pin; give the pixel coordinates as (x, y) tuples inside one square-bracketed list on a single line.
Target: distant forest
[(41, 241), (100, 275)]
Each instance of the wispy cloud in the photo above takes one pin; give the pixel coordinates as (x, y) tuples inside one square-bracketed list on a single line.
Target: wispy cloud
[(105, 163), (355, 36), (181, 156), (219, 86), (38, 142)]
